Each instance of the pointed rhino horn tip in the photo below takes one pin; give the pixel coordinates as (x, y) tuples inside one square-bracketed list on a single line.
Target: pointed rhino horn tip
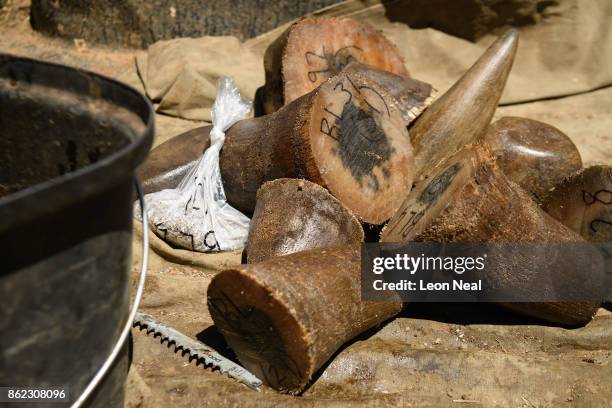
[(509, 40), (501, 54), (461, 115), (512, 33)]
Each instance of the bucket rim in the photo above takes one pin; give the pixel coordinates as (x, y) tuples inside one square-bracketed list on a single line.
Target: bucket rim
[(58, 192)]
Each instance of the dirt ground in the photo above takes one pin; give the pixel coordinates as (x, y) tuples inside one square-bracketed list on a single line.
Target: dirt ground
[(432, 355)]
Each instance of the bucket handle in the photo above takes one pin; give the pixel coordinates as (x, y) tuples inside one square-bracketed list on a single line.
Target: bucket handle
[(95, 381)]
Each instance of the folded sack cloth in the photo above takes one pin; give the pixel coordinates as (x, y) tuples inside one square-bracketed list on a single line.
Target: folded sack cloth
[(180, 76)]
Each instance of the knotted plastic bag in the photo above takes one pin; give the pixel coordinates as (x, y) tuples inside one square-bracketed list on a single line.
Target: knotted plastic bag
[(195, 215)]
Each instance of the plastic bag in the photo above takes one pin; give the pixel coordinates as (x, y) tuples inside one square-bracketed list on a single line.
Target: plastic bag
[(196, 215)]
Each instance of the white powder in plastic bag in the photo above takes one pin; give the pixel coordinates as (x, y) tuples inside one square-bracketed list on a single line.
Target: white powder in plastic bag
[(195, 215)]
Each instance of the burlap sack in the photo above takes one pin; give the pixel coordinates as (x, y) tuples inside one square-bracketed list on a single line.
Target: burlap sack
[(181, 75)]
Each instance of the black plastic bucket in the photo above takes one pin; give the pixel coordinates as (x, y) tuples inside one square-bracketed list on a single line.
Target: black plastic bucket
[(70, 142)]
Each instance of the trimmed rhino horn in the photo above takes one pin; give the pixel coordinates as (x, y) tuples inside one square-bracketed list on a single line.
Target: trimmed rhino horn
[(462, 114)]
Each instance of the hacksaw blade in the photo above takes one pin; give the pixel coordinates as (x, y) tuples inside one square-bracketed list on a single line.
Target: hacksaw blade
[(196, 349)]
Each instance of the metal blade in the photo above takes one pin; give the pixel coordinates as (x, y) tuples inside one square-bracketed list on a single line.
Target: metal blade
[(196, 349)]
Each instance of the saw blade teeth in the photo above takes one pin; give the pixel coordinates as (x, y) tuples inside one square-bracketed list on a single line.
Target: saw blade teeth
[(211, 364), (202, 353)]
